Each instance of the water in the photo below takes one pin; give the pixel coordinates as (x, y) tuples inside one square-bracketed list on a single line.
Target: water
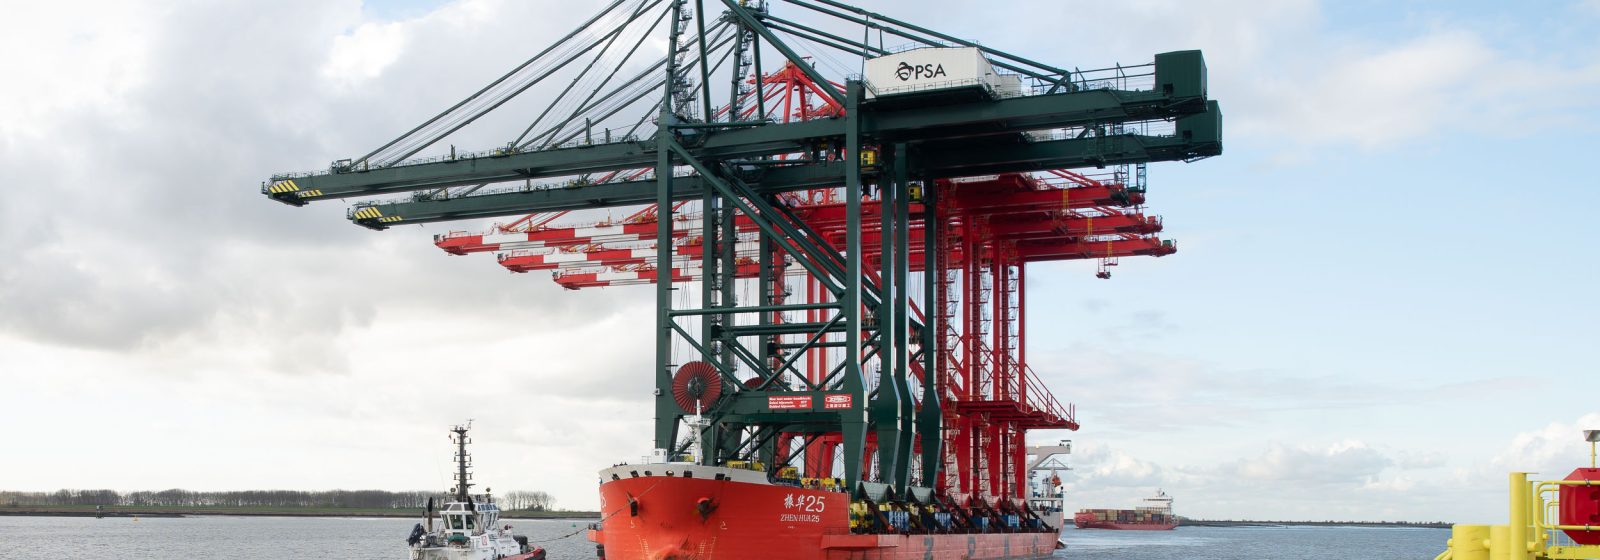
[(296, 538), (243, 538), (1256, 543)]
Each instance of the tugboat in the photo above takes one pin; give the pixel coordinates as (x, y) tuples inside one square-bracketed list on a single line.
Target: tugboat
[(469, 527)]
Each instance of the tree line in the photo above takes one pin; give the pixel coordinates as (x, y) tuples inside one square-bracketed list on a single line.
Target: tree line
[(177, 497)]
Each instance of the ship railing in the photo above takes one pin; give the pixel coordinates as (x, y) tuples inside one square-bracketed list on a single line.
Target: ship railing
[(1534, 526), (1139, 77), (1547, 527)]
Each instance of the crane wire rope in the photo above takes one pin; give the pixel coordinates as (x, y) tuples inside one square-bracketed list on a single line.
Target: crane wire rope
[(619, 107), (565, 56), (602, 59), (508, 75), (642, 89), (481, 106), (487, 104), (615, 68)]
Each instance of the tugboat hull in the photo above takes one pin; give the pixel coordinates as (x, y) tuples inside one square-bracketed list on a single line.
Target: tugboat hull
[(471, 554)]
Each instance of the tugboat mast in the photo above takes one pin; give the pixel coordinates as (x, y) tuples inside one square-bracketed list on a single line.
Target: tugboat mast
[(463, 460)]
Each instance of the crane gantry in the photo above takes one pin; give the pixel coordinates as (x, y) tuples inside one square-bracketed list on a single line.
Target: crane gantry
[(845, 259)]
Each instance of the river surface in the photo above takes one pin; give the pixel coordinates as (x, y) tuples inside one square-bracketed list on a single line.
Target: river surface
[(297, 538)]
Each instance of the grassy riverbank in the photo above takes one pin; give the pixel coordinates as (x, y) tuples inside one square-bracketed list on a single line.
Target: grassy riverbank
[(180, 511)]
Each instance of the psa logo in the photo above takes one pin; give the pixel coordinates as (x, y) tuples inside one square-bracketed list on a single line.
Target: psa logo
[(906, 72), (835, 402)]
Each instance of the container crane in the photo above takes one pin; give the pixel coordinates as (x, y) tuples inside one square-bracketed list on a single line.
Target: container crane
[(884, 229)]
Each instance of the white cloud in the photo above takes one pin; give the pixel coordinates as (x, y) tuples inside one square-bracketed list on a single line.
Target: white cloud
[(145, 273), (1444, 82), (1099, 465), (379, 419), (52, 72), (1377, 97), (1350, 479), (364, 53), (1552, 451), (1339, 463), (1290, 82)]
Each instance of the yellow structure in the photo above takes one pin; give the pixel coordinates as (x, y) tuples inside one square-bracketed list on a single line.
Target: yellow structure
[(1533, 533)]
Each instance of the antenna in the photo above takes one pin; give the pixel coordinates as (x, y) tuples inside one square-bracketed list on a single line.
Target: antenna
[(463, 461), (1593, 437)]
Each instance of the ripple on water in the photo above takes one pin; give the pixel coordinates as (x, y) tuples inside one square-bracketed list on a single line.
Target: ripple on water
[(280, 538)]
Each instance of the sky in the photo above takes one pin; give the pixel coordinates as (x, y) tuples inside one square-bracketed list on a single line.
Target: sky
[(1384, 297)]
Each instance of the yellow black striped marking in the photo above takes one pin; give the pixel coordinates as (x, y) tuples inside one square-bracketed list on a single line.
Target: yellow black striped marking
[(390, 219), (284, 186), (368, 213)]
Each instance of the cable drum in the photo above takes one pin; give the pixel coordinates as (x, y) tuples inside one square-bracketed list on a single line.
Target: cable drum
[(696, 386)]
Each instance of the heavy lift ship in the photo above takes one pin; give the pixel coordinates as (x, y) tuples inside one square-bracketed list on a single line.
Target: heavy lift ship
[(840, 366)]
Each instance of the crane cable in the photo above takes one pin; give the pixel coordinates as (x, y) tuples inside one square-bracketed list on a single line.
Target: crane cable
[(476, 106), (503, 78), (458, 119), (583, 75), (462, 120)]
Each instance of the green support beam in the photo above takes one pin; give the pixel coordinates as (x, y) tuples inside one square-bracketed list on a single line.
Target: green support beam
[(939, 162), (962, 120)]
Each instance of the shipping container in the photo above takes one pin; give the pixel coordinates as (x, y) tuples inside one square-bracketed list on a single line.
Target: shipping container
[(935, 68)]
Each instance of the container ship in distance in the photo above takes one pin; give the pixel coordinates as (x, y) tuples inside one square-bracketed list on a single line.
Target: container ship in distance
[(1154, 517)]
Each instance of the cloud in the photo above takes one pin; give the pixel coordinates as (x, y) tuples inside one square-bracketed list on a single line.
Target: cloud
[(1104, 476), (103, 56), (1125, 386), (1378, 95), (364, 53), (136, 226), (1551, 451), (1104, 466), (146, 273), (1291, 82), (1349, 479), (1348, 462)]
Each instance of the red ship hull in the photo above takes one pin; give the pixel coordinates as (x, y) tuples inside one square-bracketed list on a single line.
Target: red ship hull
[(1127, 526), (1087, 520), (690, 516)]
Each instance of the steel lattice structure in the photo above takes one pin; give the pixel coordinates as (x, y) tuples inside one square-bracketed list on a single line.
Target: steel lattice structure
[(875, 238)]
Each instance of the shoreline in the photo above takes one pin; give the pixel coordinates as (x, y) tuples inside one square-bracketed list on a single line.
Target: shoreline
[(178, 512), (1366, 524)]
